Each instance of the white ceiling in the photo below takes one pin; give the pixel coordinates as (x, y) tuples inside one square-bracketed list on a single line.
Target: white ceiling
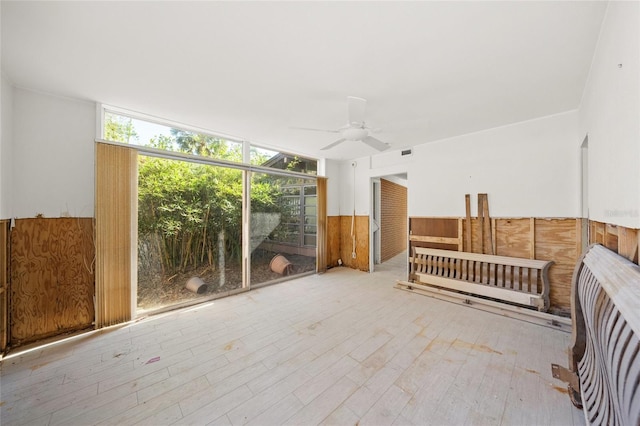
[(429, 70)]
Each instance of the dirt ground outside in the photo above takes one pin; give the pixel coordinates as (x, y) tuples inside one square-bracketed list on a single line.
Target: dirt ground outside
[(156, 290)]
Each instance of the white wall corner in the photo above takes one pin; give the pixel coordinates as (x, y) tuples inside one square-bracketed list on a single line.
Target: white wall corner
[(610, 114)]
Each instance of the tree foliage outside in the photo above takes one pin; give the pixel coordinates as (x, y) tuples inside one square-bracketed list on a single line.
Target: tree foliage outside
[(119, 128)]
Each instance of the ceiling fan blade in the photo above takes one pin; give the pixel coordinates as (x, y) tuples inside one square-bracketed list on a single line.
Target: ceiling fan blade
[(375, 143), (339, 141), (356, 110), (315, 130)]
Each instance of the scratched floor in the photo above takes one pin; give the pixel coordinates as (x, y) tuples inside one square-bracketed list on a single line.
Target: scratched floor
[(340, 348)]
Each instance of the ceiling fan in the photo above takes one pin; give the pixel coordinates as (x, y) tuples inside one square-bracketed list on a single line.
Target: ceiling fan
[(356, 129)]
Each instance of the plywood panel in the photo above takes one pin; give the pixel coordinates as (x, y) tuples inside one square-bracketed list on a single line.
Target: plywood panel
[(4, 284), (556, 240), (333, 240), (361, 228), (513, 237), (52, 278)]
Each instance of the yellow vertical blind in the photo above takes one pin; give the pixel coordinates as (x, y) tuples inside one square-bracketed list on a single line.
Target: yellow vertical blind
[(321, 256), (116, 233)]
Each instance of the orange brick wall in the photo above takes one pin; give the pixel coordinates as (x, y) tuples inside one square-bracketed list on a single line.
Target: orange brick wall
[(394, 234)]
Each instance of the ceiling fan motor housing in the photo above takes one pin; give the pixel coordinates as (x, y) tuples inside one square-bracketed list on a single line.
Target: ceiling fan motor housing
[(354, 134)]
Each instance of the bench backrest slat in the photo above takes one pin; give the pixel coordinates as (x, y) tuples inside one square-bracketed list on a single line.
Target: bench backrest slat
[(515, 261), (512, 273)]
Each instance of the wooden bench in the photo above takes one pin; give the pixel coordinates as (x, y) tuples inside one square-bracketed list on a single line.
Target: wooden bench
[(604, 357), (509, 279)]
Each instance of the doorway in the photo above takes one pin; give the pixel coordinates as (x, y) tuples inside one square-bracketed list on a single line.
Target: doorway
[(389, 230), (584, 190)]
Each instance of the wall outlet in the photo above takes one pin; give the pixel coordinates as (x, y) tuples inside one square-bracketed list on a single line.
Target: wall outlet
[(353, 255)]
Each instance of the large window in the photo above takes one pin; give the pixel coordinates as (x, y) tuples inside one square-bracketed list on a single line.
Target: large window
[(119, 127), (125, 128), (282, 161), (194, 194)]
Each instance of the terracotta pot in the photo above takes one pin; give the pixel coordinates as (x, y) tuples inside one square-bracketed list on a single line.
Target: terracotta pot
[(280, 265), (196, 285)]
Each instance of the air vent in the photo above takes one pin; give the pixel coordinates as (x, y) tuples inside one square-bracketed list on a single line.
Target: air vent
[(406, 152)]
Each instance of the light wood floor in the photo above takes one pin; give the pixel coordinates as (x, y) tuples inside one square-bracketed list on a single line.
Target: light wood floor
[(339, 348)]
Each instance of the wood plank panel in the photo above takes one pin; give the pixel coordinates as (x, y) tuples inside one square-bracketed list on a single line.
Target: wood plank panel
[(467, 223), (434, 227), (361, 228), (556, 240), (513, 237), (481, 218), (333, 240), (4, 284), (52, 277), (487, 232)]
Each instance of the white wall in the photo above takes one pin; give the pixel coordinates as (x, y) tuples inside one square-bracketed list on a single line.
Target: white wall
[(53, 155), (334, 185), (610, 116), (6, 143), (383, 164), (527, 169)]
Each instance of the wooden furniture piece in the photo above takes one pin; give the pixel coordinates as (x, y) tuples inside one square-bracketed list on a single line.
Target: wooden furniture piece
[(604, 358), (509, 279)]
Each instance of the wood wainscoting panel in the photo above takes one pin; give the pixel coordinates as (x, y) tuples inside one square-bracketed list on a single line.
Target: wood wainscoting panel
[(333, 240), (4, 284), (513, 238), (556, 239), (52, 277), (445, 227), (361, 228), (553, 239)]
